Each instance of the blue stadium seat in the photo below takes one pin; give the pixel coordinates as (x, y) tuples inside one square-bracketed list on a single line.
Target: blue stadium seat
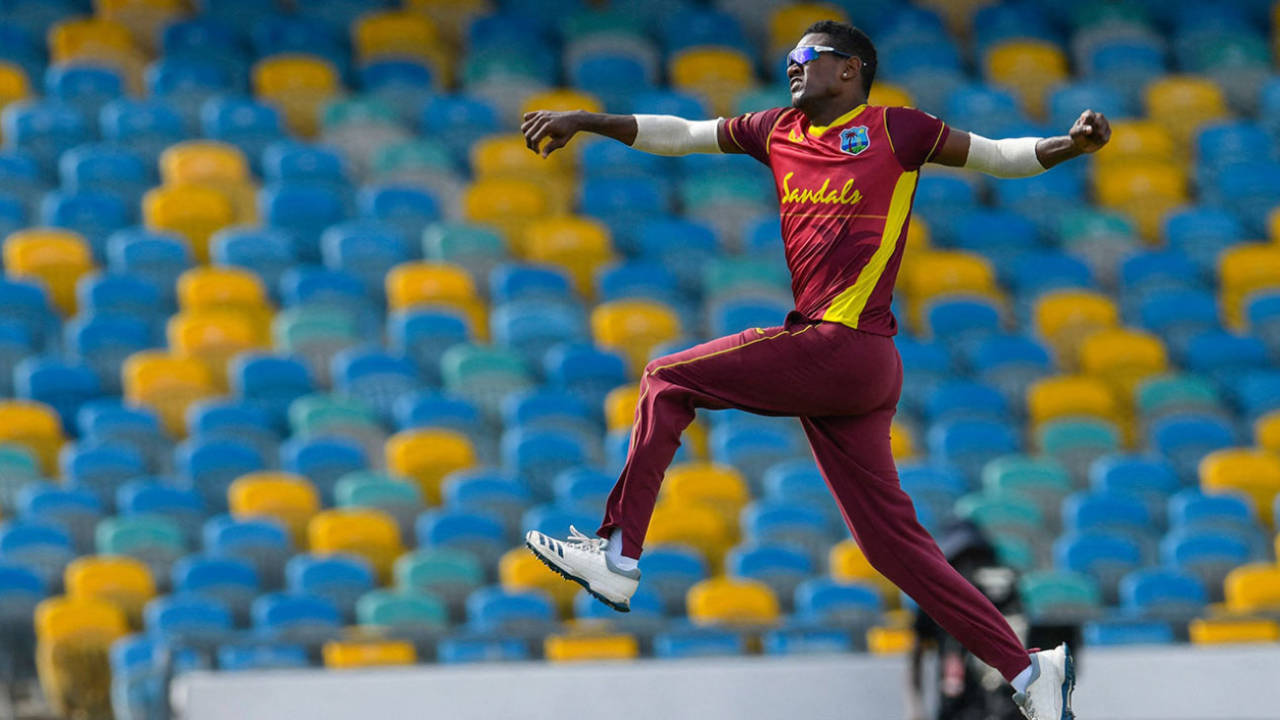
[(108, 421), (1126, 65), (1106, 556), (455, 650), (184, 83), (1178, 315), (549, 409), (100, 468), (781, 567), (304, 210), (490, 492), (295, 615), (61, 384), (1147, 272), (827, 602), (22, 175), (614, 77), (157, 257), (1055, 271), (583, 489), (617, 201), (1255, 392), (438, 409), (1148, 477), (1207, 554), (532, 327), (367, 249), (246, 123), (1127, 632), (1163, 594), (638, 279), (403, 84), (95, 215), (586, 371), (41, 546), (152, 496), (1248, 191), (966, 399), (646, 610), (797, 481), (754, 449), (26, 303), (537, 456), (962, 322), (14, 213), (1221, 355), (1192, 509), (968, 444), (555, 521), (1224, 143), (266, 252), (44, 128), (458, 120), (737, 314), (207, 35), (669, 102), (682, 245), (74, 510), (114, 295), (1201, 233), (340, 579), (788, 523), (182, 617), (15, 347), (138, 664), (692, 27), (84, 87), (1066, 100), (106, 168), (270, 381), (509, 282), (262, 656), (480, 534), (262, 542), (293, 161), (926, 366), (1262, 313), (102, 342), (406, 208), (146, 127), (1120, 513), (423, 335), (21, 590), (930, 485), (323, 460), (377, 377), (692, 642), (210, 466), (601, 158), (493, 609), (301, 33)]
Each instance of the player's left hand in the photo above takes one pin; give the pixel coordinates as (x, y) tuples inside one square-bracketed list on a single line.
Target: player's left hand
[(1090, 132)]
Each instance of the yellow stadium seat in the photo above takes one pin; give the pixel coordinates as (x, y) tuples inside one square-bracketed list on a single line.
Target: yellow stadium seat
[(213, 337), (849, 564), (948, 272), (1256, 473), (1136, 141), (220, 288), (1244, 269), (364, 653), (1028, 68), (561, 99), (717, 73), (579, 245), (888, 94), (1227, 631), (718, 486), (145, 19), (123, 581), (35, 426), (507, 204), (620, 407), (788, 23), (1253, 588), (167, 384), (193, 211), (519, 569), (590, 647), (1064, 318), (890, 641), (287, 497), (54, 256), (399, 34), (300, 85), (367, 532), (634, 328), (1146, 191), (699, 526), (74, 637), (13, 84), (902, 441), (427, 456), (1123, 357), (1070, 395), (506, 157), (1266, 431), (1182, 103), (197, 162), (413, 284), (731, 601), (90, 38)]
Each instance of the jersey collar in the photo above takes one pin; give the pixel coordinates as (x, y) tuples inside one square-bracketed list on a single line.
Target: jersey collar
[(817, 130)]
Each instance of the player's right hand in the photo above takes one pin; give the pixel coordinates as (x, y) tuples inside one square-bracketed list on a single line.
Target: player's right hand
[(556, 128)]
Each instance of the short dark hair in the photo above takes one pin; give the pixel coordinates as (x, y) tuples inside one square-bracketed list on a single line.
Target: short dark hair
[(849, 39)]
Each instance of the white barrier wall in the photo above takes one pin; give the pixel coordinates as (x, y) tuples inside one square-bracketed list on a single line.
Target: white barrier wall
[(1150, 683)]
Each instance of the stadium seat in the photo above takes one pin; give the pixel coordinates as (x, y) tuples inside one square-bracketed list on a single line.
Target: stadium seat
[(1065, 317), (54, 257), (365, 654), (295, 616), (122, 581), (338, 578), (288, 498), (1184, 103), (1253, 473), (83, 629), (365, 532), (731, 601), (1253, 588), (262, 542), (1208, 631), (299, 85), (1062, 596), (39, 546), (195, 213), (633, 327), (428, 455), (697, 526)]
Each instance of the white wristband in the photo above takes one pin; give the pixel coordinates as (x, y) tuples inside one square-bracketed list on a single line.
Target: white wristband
[(1009, 158), (671, 135)]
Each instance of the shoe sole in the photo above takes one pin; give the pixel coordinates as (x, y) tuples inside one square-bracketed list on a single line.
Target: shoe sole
[(1069, 684), (567, 576)]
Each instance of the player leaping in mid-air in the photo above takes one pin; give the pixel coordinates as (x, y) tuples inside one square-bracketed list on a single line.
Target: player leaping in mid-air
[(846, 175)]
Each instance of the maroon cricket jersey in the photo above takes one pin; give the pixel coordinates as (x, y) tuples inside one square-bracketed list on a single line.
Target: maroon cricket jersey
[(845, 192)]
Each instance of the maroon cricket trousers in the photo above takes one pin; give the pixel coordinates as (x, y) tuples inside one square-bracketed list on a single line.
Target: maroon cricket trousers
[(843, 384)]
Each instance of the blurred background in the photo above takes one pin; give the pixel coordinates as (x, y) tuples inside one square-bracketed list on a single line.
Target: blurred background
[(297, 339)]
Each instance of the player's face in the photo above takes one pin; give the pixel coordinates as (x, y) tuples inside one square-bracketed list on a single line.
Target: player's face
[(818, 78)]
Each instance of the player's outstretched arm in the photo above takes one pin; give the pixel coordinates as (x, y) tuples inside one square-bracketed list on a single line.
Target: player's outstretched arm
[(546, 131), (1022, 157)]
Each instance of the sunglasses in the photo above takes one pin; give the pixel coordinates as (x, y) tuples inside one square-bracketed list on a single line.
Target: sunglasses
[(802, 55)]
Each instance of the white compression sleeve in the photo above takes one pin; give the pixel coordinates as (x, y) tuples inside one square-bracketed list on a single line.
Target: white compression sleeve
[(1009, 158), (670, 135)]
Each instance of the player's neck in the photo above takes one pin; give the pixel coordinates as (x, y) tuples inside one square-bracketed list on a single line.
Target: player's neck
[(828, 113)]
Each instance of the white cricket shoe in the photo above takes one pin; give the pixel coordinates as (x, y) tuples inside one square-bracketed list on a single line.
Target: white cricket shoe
[(1048, 695), (583, 560)]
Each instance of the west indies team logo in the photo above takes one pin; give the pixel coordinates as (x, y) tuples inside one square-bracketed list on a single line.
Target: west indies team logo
[(854, 140)]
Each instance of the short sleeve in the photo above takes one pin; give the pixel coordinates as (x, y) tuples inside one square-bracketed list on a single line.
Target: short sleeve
[(916, 136), (751, 131)]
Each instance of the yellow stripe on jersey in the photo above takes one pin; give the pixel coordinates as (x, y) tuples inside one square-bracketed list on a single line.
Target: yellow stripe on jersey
[(848, 305), (817, 130)]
